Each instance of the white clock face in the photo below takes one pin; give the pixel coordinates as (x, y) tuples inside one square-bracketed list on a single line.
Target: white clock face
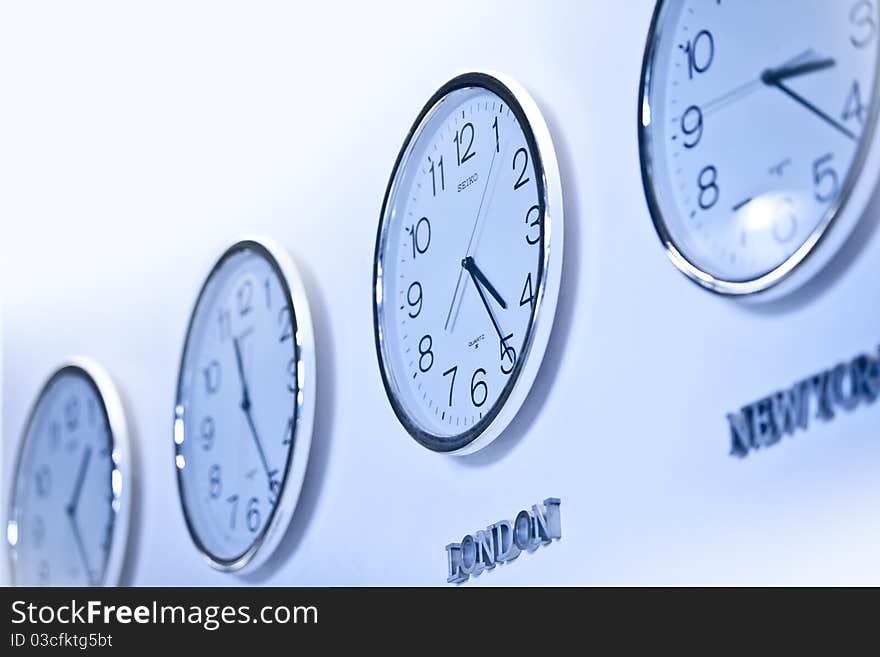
[(461, 260), (67, 489), (238, 408), (756, 118)]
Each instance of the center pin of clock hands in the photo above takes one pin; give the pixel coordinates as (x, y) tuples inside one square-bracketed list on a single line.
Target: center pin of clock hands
[(452, 316), (71, 508), (246, 407)]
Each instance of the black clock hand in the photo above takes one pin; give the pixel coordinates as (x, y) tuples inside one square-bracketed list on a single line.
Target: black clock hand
[(80, 478), (80, 547), (471, 267), (773, 78), (486, 305), (793, 67), (246, 407)]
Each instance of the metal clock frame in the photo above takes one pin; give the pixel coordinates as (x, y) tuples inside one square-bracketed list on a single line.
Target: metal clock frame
[(546, 170), (107, 393), (267, 541), (799, 267)]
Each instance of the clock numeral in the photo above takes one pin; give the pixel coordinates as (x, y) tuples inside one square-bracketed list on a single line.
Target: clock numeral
[(497, 140), (452, 370), (822, 172), (434, 170), (785, 224), (245, 296), (854, 108), (534, 223), (286, 322), (699, 52), (522, 180), (861, 15), (43, 573), (54, 434), (707, 181), (414, 298), (71, 413), (224, 322), (215, 484), (39, 532), (692, 126), (527, 298), (479, 389), (92, 411), (212, 377), (253, 514), (232, 500), (274, 487), (426, 356), (43, 481), (291, 372), (467, 128), (508, 353), (288, 432), (207, 432), (420, 234)]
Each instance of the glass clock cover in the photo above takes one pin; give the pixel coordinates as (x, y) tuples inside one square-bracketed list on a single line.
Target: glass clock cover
[(467, 265), (756, 118), (244, 405), (71, 501)]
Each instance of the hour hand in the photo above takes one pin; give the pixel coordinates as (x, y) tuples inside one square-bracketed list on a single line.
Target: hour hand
[(471, 267), (772, 76)]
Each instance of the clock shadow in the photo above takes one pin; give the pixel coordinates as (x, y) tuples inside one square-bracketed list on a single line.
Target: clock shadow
[(562, 321), (322, 432), (823, 279)]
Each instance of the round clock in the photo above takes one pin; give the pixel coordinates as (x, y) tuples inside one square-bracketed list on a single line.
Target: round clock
[(756, 120), (71, 496), (245, 405), (467, 263)]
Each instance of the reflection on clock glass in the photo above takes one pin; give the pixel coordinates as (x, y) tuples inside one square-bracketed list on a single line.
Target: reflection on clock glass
[(236, 400), (755, 125), (61, 527)]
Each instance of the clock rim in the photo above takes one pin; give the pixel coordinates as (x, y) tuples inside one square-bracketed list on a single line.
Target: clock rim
[(106, 390), (268, 540), (546, 169)]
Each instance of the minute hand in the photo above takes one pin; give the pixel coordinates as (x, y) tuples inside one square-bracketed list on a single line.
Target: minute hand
[(471, 267), (773, 78)]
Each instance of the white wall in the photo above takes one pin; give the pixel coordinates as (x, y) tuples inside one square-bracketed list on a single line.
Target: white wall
[(136, 143)]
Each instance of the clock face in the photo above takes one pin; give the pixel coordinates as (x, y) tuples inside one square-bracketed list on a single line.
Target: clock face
[(239, 432), (755, 120), (462, 263), (65, 527)]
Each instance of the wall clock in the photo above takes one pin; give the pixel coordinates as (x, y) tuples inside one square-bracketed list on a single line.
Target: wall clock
[(245, 405), (756, 119), (71, 495), (467, 263)]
